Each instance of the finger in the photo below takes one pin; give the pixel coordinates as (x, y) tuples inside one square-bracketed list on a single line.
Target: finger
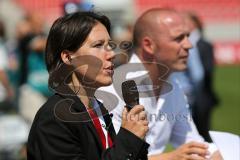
[(124, 113), (197, 144), (142, 115), (136, 109), (196, 150), (195, 157), (144, 128), (145, 122)]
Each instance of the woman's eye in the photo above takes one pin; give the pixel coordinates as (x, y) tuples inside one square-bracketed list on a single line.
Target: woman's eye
[(99, 45)]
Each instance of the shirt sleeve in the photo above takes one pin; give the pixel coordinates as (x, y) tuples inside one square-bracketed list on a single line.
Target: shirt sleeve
[(50, 139), (184, 129)]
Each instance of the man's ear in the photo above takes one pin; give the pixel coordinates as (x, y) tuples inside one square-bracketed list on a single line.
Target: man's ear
[(66, 57), (148, 47)]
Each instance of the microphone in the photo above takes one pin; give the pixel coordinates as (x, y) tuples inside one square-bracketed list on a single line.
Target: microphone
[(130, 94)]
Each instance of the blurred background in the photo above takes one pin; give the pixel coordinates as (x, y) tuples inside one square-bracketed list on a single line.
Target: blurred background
[(24, 25)]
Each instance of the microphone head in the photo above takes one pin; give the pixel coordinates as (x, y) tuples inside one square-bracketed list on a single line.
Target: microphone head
[(130, 93)]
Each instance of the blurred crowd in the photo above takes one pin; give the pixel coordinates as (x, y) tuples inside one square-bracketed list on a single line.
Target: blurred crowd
[(24, 78)]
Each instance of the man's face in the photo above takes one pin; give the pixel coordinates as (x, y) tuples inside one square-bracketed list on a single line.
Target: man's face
[(171, 42)]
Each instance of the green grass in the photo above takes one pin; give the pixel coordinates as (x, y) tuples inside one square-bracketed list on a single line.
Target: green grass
[(226, 116)]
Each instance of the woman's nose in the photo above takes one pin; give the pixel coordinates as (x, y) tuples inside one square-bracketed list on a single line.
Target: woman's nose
[(110, 55)]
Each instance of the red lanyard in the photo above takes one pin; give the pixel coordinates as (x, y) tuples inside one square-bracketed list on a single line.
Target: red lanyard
[(98, 127)]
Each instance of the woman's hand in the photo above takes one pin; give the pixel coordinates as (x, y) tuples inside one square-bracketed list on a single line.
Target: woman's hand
[(135, 121)]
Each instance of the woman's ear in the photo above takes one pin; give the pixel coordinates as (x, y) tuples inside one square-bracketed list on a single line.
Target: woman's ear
[(66, 57)]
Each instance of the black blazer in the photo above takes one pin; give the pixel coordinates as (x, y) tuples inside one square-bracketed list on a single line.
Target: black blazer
[(62, 130), (207, 96)]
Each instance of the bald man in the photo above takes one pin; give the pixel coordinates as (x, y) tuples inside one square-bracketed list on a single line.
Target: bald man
[(161, 47)]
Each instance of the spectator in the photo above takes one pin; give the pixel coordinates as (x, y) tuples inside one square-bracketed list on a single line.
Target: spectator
[(6, 91), (206, 98), (33, 74)]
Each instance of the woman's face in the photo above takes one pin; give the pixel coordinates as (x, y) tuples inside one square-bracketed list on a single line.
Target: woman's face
[(93, 60)]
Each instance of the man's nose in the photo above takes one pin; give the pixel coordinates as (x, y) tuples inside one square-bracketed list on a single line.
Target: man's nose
[(187, 44)]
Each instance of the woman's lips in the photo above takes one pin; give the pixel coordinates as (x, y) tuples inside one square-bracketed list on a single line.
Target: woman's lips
[(109, 70)]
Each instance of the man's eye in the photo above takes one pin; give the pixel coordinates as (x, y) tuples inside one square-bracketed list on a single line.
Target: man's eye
[(179, 39)]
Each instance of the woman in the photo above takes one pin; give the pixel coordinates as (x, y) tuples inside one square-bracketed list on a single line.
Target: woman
[(70, 124)]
